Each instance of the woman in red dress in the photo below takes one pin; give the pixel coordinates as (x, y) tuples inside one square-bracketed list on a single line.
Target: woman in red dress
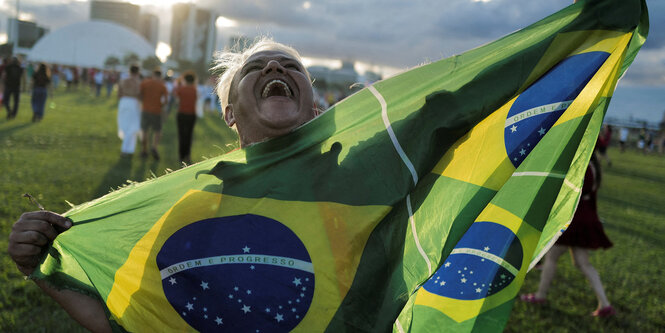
[(584, 233)]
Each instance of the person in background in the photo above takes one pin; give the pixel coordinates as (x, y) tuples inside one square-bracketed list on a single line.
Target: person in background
[(170, 87), (623, 138), (153, 96), (99, 80), (129, 111), (69, 77), (110, 78), (584, 233), (55, 76), (186, 118), (12, 78), (40, 82), (603, 142)]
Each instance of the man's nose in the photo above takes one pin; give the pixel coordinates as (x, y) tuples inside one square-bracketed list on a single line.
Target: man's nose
[(273, 65)]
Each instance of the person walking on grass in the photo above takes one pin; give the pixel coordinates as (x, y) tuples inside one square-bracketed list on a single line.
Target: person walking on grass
[(129, 111), (584, 233), (153, 96), (186, 118), (12, 79), (40, 82)]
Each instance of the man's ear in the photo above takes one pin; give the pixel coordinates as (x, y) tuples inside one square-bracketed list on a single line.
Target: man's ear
[(229, 117)]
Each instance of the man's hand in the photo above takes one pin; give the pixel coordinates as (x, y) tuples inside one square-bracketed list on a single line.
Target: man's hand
[(30, 234)]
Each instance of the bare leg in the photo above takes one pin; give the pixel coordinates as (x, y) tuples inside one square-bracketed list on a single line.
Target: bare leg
[(549, 269), (581, 258)]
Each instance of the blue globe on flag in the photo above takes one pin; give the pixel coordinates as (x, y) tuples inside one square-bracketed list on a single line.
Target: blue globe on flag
[(244, 273), (479, 266), (536, 110)]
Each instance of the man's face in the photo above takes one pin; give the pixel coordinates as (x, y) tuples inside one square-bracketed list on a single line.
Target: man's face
[(270, 96)]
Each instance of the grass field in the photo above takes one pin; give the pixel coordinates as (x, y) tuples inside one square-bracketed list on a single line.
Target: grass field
[(73, 155)]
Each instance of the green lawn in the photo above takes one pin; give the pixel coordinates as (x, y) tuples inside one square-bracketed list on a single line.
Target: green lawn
[(73, 155)]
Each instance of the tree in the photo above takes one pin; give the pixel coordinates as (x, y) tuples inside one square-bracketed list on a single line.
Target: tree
[(200, 68), (130, 58), (111, 61), (150, 63)]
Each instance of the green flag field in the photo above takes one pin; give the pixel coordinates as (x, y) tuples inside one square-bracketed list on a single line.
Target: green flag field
[(73, 156)]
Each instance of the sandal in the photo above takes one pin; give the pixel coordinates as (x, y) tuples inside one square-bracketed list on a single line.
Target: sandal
[(531, 298), (607, 311)]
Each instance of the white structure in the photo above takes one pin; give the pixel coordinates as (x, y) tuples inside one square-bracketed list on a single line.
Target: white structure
[(88, 44), (193, 33)]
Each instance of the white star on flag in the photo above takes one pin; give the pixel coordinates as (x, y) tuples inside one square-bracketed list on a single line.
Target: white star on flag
[(204, 285), (190, 306), (218, 320), (245, 249), (447, 264), (522, 152), (296, 281), (279, 317), (246, 309), (478, 290), (513, 129), (541, 131), (268, 310), (172, 280), (463, 280), (443, 283), (249, 292)]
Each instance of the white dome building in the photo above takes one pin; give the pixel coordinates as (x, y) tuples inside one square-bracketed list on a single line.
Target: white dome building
[(88, 44)]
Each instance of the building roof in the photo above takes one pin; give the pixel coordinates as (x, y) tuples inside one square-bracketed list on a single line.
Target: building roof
[(88, 44)]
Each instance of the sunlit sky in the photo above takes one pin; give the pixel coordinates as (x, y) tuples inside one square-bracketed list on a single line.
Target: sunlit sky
[(385, 35)]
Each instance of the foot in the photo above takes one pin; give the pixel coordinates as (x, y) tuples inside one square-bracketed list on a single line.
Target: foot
[(155, 154), (531, 298), (607, 311)]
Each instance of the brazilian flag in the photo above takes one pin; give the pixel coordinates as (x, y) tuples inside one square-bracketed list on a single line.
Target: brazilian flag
[(417, 204)]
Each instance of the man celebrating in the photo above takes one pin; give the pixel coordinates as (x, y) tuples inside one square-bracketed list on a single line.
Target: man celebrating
[(265, 92), (153, 95)]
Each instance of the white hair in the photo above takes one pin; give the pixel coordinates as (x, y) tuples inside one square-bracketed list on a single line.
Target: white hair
[(230, 62)]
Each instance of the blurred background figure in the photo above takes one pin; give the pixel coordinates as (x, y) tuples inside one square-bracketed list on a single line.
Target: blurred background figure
[(129, 111), (623, 138), (98, 79), (153, 98), (584, 233), (110, 78), (186, 118), (40, 81), (12, 80), (603, 142)]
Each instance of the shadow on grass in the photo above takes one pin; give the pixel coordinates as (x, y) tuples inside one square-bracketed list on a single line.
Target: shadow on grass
[(655, 242), (6, 132), (633, 204), (119, 173)]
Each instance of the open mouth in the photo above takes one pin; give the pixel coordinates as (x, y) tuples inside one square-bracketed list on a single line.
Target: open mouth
[(276, 88)]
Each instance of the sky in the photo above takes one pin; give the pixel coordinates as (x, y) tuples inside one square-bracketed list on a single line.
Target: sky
[(386, 36)]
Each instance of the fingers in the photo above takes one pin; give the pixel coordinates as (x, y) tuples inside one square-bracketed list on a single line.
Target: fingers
[(32, 237), (50, 217), (31, 234)]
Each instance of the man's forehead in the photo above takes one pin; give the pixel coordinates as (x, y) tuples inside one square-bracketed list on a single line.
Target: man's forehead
[(267, 55)]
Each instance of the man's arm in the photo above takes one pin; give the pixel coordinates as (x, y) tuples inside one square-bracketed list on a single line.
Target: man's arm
[(30, 235)]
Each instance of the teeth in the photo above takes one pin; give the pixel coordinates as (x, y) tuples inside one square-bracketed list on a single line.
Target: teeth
[(273, 82)]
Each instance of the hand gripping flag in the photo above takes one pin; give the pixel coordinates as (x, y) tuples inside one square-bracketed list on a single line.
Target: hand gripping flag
[(417, 204)]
